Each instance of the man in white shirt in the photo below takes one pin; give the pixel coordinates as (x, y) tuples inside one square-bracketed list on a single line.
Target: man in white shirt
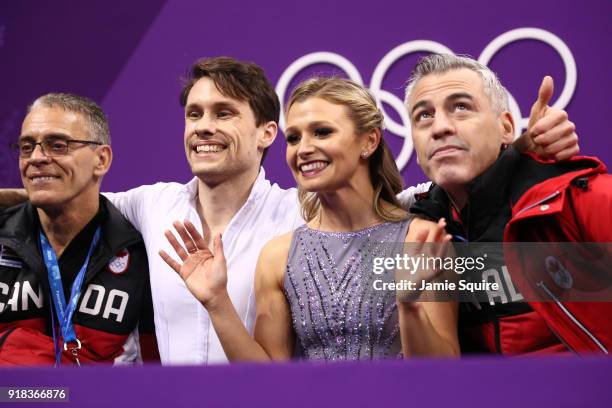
[(231, 116)]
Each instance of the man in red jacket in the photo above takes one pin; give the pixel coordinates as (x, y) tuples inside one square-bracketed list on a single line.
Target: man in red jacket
[(462, 131)]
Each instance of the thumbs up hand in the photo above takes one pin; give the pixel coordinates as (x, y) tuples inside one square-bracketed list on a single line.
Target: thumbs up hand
[(550, 134), (539, 108)]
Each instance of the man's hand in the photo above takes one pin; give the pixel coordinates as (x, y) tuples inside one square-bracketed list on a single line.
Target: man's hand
[(12, 196), (550, 135)]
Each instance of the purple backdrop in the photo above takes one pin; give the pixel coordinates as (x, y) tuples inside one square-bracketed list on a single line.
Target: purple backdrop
[(129, 58), (496, 383)]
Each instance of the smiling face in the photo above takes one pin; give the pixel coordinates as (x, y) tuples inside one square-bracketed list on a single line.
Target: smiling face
[(323, 149), (221, 136), (456, 132), (56, 182)]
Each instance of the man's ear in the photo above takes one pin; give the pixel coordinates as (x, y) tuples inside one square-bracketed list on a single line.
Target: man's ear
[(270, 130), (104, 158), (507, 123)]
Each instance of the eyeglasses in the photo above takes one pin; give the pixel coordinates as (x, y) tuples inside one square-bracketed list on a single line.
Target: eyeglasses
[(52, 147)]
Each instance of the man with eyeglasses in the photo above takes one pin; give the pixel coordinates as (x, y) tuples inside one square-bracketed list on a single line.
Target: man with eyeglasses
[(74, 280)]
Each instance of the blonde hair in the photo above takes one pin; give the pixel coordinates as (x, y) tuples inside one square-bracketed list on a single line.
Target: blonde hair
[(384, 174)]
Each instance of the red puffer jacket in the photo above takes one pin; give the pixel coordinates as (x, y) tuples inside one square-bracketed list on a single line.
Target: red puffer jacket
[(573, 207)]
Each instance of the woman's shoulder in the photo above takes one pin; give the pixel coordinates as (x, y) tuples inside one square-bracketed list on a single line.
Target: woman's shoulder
[(273, 259), (277, 248), (393, 212)]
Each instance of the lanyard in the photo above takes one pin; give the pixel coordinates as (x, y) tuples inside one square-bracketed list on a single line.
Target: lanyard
[(64, 311)]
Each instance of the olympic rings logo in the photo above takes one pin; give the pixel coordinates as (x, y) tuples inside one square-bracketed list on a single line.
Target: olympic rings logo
[(403, 129)]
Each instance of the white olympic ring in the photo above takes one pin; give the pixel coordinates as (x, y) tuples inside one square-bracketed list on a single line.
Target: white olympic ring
[(382, 96), (530, 33), (311, 59), (396, 103)]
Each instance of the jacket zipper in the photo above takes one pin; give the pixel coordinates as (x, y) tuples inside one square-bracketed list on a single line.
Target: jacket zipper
[(573, 318), (551, 196)]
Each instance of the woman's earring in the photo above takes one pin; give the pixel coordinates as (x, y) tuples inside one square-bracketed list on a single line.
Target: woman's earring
[(364, 154)]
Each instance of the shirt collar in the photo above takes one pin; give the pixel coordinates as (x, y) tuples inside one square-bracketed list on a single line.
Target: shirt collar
[(260, 187)]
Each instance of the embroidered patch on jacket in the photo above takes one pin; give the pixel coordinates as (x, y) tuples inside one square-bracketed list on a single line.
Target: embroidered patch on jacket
[(120, 262), (559, 273), (9, 258)]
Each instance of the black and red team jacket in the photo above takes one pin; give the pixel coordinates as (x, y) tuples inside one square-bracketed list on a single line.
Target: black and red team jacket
[(522, 199), (573, 207), (114, 315)]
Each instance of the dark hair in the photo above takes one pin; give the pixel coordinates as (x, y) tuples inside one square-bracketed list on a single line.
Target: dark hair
[(244, 81), (94, 115), (384, 174)]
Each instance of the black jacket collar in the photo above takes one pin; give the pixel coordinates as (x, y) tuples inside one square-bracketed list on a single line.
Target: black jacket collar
[(488, 202), (19, 230)]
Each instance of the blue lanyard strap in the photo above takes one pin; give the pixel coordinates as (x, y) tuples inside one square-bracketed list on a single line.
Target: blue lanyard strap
[(64, 310), (459, 238)]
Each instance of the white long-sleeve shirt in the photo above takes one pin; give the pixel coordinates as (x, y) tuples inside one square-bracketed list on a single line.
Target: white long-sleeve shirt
[(184, 331)]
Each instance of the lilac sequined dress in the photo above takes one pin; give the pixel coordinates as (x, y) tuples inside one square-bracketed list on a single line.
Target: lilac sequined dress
[(329, 283)]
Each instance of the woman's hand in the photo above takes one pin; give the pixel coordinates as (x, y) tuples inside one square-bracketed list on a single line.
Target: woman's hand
[(204, 272), (428, 326), (426, 242)]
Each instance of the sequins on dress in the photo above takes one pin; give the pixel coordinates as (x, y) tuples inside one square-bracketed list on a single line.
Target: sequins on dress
[(329, 283)]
